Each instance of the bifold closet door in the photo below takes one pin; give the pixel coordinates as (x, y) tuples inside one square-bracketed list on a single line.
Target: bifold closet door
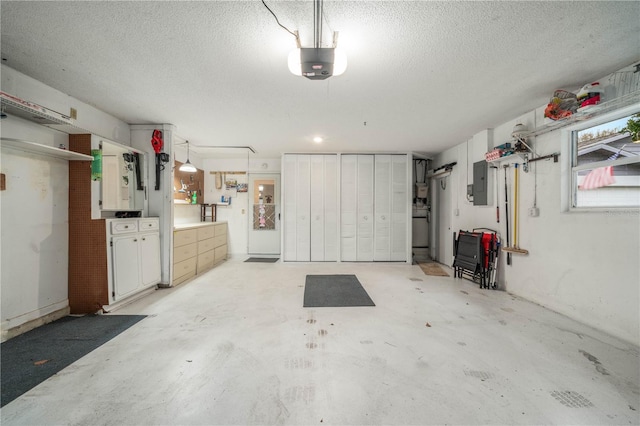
[(356, 208), (399, 208), (324, 206), (296, 224), (348, 207), (382, 240)]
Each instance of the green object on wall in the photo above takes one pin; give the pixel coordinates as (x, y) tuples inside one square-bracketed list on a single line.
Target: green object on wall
[(96, 164)]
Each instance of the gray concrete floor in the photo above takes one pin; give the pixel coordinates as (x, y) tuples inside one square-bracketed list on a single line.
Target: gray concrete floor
[(235, 346)]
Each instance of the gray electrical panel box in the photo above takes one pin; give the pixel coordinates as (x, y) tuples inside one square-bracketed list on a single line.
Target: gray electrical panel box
[(481, 184)]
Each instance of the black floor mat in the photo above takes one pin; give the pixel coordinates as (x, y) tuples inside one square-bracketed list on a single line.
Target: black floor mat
[(334, 291), (263, 259), (33, 357)]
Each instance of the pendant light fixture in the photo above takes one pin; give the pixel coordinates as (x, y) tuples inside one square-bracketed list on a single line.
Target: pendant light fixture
[(187, 166)]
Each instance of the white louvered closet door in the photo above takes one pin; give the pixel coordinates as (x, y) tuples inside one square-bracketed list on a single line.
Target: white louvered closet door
[(399, 208), (331, 208), (382, 207), (289, 208), (324, 237), (348, 207), (303, 208), (365, 197), (318, 191)]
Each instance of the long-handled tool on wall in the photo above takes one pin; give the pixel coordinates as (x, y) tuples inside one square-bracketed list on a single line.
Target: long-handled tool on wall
[(506, 210), (514, 248)]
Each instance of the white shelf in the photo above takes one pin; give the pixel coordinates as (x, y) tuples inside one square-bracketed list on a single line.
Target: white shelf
[(38, 148), (516, 157)]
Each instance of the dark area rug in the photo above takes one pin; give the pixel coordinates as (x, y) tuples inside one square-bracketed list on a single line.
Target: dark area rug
[(31, 358), (263, 259), (334, 291)]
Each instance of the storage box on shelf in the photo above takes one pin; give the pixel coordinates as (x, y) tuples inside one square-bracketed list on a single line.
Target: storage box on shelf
[(197, 248)]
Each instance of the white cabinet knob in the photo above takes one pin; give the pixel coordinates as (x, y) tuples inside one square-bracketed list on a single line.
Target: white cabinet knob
[(383, 218)]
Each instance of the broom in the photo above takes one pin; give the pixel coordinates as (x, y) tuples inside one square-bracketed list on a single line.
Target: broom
[(515, 248)]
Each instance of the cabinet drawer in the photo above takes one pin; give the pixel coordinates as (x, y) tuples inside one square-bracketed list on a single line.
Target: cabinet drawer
[(205, 245), (149, 224), (220, 240), (181, 238), (220, 253), (205, 261), (185, 267), (205, 232), (184, 252), (220, 229), (124, 226)]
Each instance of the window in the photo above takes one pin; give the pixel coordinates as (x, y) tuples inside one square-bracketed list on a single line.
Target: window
[(606, 164)]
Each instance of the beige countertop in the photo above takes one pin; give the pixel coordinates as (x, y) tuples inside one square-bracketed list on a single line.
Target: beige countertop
[(195, 225)]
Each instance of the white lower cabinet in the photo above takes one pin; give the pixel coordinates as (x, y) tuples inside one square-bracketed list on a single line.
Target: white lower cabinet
[(134, 256)]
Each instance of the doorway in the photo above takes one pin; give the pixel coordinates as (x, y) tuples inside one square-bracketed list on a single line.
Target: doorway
[(264, 215), (441, 243)]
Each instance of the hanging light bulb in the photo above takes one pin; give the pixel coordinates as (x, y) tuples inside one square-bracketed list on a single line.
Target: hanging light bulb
[(187, 166)]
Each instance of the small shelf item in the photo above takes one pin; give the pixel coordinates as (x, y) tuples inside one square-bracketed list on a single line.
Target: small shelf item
[(38, 148)]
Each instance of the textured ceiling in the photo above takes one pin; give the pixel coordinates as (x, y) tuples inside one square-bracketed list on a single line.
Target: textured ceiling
[(422, 76)]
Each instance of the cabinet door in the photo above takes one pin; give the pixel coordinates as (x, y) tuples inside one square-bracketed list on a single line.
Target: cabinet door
[(382, 232), (399, 208), (150, 269), (126, 273), (365, 197), (348, 207)]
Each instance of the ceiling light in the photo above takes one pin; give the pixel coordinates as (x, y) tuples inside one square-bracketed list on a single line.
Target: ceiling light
[(187, 166), (317, 139), (315, 63)]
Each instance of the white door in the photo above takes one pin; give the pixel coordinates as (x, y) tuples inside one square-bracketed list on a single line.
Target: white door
[(365, 199), (303, 209), (318, 190), (445, 235), (331, 208), (324, 205), (264, 214), (399, 208), (289, 221), (348, 207), (382, 240)]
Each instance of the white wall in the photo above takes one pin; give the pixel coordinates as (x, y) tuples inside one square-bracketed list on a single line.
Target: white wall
[(34, 227), (34, 207), (583, 265)]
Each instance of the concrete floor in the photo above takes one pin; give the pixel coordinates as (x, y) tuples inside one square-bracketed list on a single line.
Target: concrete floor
[(235, 346)]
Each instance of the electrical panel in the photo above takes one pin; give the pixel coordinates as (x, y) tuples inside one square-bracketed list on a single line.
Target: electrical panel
[(482, 184)]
